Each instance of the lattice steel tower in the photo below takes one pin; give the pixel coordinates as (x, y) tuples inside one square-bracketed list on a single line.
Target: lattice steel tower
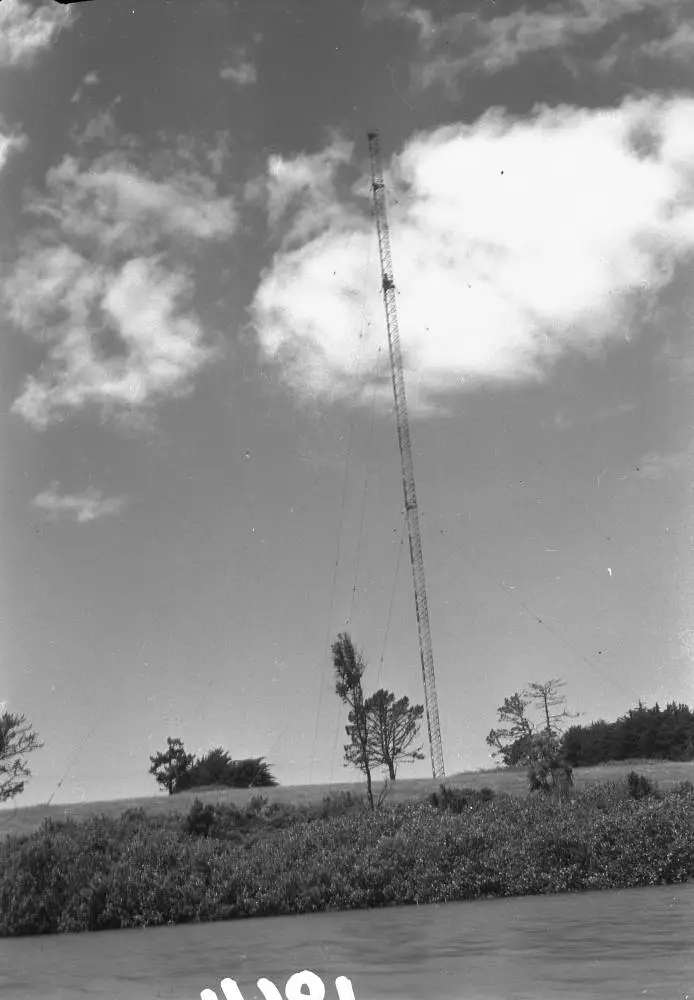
[(411, 509)]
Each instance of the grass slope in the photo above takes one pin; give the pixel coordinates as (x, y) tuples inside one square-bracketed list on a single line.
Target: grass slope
[(24, 820)]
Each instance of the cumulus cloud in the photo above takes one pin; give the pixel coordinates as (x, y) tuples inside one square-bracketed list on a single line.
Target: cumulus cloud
[(10, 142), (454, 45), (105, 287), (218, 155), (242, 73), (80, 507), (118, 205), (306, 184), (241, 69), (26, 30), (679, 45), (90, 80), (514, 242), (127, 339)]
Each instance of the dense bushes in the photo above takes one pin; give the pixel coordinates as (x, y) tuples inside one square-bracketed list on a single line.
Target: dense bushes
[(639, 786), (221, 862), (225, 821), (217, 768), (460, 800), (643, 733)]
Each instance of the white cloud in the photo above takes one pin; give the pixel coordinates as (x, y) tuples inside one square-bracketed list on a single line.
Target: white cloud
[(106, 289), (457, 44), (241, 68), (10, 143), (90, 80), (120, 206), (679, 45), (140, 305), (26, 30), (243, 73), (218, 155), (306, 183), (514, 241), (80, 507)]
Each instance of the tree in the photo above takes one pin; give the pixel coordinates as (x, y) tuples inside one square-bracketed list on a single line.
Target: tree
[(548, 770), (518, 741), (521, 742), (213, 768), (349, 667), (546, 696), (170, 765), (217, 768), (510, 741), (17, 739), (253, 772), (393, 728)]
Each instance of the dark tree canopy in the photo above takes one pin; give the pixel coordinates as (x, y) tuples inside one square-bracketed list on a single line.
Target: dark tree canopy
[(217, 768), (393, 728), (519, 740), (656, 733), (349, 667), (178, 771), (170, 765), (383, 731), (512, 739), (17, 740)]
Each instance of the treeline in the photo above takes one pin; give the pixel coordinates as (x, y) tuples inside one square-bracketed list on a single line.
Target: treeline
[(644, 733), (178, 771)]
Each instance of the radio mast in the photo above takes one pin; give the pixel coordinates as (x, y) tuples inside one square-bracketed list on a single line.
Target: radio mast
[(411, 509)]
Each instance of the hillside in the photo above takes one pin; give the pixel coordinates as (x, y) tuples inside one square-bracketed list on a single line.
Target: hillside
[(19, 820)]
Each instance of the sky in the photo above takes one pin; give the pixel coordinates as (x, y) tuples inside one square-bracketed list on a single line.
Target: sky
[(201, 481)]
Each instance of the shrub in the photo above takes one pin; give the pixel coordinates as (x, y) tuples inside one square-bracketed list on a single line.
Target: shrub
[(257, 804), (340, 804), (216, 768), (200, 819), (133, 872), (458, 800), (639, 786)]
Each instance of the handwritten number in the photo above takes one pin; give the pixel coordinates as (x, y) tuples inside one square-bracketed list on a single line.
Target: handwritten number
[(230, 990), (293, 989), (343, 985), (269, 990), (296, 983)]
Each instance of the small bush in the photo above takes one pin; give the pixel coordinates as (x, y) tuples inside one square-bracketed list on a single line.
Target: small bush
[(639, 786), (459, 800), (200, 819), (339, 805)]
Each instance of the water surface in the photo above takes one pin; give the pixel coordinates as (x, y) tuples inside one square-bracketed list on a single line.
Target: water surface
[(594, 946)]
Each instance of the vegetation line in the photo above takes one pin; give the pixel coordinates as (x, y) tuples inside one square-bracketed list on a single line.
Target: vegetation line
[(222, 862)]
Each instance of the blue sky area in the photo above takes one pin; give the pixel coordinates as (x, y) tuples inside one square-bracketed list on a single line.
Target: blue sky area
[(201, 480)]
